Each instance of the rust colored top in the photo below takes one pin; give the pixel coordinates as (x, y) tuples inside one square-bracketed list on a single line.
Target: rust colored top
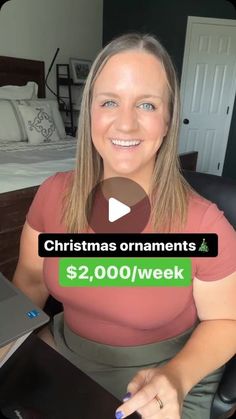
[(132, 316)]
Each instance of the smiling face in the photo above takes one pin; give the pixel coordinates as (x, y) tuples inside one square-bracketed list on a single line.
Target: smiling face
[(129, 114)]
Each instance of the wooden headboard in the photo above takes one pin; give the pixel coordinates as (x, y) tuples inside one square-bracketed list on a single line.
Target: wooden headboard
[(18, 71)]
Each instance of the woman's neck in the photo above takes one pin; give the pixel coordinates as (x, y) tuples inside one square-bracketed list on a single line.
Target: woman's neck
[(144, 179)]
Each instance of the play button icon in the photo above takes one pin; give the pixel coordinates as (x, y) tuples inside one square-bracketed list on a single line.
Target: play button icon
[(117, 210), (118, 205)]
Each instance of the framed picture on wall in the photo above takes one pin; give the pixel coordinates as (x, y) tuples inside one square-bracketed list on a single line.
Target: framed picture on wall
[(79, 69)]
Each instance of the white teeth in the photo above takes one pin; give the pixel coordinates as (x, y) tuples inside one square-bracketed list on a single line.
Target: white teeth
[(126, 143)]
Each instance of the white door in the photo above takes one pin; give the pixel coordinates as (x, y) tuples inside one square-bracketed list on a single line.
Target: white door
[(208, 87)]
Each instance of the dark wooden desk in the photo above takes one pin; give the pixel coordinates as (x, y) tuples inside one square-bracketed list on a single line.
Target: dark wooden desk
[(50, 387)]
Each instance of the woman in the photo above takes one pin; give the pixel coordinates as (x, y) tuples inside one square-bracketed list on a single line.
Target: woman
[(162, 344)]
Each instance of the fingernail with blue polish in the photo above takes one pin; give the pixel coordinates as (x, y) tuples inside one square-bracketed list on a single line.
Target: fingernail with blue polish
[(119, 415), (127, 397)]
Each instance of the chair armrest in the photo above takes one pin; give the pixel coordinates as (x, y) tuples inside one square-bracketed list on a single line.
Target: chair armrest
[(224, 402), (227, 386)]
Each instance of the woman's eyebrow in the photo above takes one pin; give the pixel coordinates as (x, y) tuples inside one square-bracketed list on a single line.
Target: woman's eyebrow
[(109, 94), (115, 95), (150, 96)]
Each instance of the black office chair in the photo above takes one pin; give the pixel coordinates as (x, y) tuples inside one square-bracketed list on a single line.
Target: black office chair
[(223, 192)]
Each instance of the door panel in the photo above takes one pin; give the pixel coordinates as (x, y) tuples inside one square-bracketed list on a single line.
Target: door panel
[(208, 90)]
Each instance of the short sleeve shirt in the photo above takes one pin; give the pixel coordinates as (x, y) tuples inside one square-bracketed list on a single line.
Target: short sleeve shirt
[(132, 316)]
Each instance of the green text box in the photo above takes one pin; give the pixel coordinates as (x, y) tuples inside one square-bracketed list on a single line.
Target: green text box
[(125, 272)]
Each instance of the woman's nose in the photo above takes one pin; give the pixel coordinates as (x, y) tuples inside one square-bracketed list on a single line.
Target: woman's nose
[(126, 119)]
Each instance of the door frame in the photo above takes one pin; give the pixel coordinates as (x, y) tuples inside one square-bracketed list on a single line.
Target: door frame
[(214, 21)]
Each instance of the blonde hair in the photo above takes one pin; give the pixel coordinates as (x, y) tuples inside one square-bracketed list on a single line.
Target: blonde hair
[(169, 190)]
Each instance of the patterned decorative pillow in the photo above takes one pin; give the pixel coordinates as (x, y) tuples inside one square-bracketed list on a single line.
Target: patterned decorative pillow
[(55, 112), (39, 124)]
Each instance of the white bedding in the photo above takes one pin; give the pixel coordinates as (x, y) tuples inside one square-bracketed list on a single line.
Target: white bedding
[(11, 146), (23, 165)]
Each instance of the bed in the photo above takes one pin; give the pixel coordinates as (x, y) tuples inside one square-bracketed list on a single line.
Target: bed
[(26, 157)]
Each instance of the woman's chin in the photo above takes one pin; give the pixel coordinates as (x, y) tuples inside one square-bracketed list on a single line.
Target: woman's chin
[(123, 172)]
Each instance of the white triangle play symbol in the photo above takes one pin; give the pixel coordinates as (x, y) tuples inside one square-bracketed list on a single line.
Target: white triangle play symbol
[(117, 209)]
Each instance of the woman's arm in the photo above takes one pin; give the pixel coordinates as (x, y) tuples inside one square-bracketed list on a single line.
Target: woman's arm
[(29, 271), (212, 343)]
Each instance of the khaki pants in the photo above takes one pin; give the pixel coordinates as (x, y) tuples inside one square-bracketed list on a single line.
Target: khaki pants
[(113, 367)]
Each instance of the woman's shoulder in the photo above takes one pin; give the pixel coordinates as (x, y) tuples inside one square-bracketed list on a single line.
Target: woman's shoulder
[(198, 202), (58, 180), (55, 185), (202, 213), (205, 217), (44, 214)]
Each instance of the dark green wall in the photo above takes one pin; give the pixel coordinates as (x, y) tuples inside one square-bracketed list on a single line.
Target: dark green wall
[(168, 21)]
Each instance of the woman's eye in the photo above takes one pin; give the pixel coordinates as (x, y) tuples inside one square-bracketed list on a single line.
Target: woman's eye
[(109, 104), (147, 106)]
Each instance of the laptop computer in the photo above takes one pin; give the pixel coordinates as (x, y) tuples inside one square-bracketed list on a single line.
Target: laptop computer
[(18, 314), (39, 383)]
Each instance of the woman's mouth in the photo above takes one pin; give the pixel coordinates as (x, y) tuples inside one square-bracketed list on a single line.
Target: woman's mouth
[(125, 143)]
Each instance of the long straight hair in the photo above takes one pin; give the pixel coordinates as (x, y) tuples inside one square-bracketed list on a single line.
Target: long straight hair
[(168, 190)]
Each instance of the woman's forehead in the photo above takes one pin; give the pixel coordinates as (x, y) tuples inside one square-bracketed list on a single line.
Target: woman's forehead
[(133, 68)]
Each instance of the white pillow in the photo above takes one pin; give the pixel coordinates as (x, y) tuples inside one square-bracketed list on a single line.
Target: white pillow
[(15, 104), (39, 124), (11, 128), (55, 113), (29, 91)]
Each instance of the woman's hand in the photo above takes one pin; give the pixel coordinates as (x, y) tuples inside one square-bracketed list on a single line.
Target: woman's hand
[(155, 393)]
